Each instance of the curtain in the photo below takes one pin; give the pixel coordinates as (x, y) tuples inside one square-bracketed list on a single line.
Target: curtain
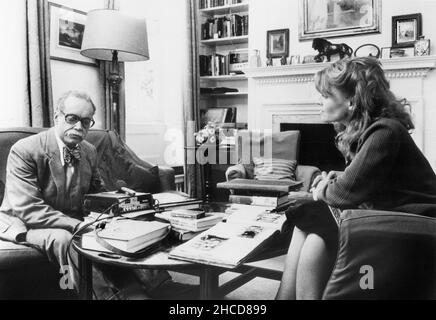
[(194, 175), (39, 98)]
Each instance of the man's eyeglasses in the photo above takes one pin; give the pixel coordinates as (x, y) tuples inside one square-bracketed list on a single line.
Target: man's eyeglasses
[(72, 119)]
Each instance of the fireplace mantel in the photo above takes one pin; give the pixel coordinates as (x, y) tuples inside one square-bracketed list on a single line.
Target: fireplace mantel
[(286, 94), (407, 67)]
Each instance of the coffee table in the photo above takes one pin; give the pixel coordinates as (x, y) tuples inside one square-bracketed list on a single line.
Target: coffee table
[(267, 264)]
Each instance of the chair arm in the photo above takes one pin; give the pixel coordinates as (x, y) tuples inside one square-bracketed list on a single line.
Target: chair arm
[(167, 178), (236, 172), (393, 253), (307, 174)]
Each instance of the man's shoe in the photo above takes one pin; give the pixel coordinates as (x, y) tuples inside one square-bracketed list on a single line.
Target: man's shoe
[(170, 290)]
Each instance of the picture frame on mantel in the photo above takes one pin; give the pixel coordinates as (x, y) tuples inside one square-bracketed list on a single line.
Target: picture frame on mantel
[(332, 18), (406, 29), (277, 43), (67, 26)]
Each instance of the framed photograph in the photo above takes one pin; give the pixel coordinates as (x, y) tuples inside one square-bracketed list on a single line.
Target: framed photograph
[(338, 18), (386, 53), (295, 60), (277, 43), (422, 47), (67, 26), (406, 29)]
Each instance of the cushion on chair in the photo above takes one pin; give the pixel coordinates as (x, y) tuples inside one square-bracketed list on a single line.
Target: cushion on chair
[(274, 169), (281, 145), (119, 162)]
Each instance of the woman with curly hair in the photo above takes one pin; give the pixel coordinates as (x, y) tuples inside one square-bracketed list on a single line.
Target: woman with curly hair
[(385, 171)]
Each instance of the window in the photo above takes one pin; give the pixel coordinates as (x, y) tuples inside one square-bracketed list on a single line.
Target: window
[(154, 88)]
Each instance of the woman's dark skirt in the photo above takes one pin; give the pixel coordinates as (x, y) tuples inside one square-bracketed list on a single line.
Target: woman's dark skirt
[(315, 217)]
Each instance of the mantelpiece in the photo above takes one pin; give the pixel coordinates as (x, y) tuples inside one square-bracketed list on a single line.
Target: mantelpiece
[(408, 67)]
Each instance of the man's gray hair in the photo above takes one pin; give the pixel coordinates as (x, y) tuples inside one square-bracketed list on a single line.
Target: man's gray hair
[(73, 93)]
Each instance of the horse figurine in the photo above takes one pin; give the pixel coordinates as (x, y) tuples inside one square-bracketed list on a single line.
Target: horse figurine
[(327, 49)]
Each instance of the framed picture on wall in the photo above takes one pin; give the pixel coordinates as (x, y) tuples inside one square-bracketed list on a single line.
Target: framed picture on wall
[(67, 26), (277, 43), (338, 18), (406, 29)]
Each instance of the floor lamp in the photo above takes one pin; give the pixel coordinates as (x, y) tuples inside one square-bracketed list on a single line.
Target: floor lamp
[(113, 36)]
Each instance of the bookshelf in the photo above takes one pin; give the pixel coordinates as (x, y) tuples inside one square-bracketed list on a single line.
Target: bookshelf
[(223, 33), (223, 30)]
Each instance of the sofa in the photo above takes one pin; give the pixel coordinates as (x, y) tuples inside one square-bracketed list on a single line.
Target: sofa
[(25, 273)]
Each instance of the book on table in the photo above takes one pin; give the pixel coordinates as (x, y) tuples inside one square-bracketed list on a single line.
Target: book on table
[(210, 219), (127, 235), (262, 187), (172, 199), (272, 201), (227, 244), (183, 235)]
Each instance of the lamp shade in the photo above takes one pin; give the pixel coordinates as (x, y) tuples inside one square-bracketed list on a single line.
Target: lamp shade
[(109, 30)]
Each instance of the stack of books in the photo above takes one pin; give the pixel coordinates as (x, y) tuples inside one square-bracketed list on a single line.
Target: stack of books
[(187, 223), (263, 193)]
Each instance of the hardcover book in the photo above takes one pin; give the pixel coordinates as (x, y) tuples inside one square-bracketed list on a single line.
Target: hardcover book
[(268, 186), (127, 235)]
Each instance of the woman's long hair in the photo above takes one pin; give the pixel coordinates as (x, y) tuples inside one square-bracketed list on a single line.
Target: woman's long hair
[(363, 81)]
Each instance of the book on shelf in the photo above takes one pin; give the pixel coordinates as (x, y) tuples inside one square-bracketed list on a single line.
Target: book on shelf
[(210, 219), (205, 4), (218, 115), (273, 201), (261, 186), (127, 235), (225, 26), (227, 244), (217, 90)]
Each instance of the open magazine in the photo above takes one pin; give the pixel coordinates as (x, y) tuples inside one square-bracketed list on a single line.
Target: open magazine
[(228, 244)]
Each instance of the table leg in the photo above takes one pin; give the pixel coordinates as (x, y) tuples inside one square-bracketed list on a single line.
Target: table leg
[(208, 284), (85, 281)]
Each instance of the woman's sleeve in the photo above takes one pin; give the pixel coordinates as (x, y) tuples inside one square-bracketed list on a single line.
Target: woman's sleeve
[(367, 173)]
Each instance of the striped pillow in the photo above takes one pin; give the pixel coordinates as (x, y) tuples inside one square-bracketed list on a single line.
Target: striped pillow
[(274, 169)]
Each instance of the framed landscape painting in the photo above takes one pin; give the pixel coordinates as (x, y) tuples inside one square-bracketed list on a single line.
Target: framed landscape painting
[(338, 18), (67, 26)]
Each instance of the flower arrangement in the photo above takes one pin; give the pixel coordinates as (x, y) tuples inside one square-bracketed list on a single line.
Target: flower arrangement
[(207, 134)]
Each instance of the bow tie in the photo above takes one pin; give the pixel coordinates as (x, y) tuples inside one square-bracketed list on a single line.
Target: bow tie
[(72, 156)]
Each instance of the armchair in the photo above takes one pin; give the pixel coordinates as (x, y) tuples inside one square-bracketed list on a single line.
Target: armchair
[(285, 145), (24, 271), (395, 251)]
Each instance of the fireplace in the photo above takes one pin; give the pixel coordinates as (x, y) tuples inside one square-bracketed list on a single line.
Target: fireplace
[(284, 98), (317, 147)]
